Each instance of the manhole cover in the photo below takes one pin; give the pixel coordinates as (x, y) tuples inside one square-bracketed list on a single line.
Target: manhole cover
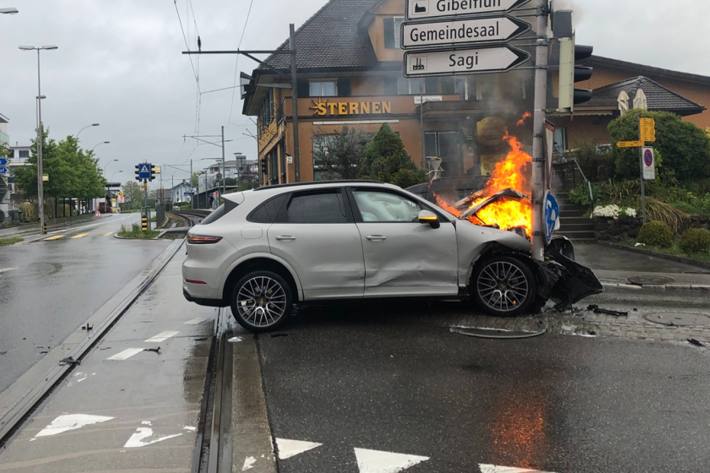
[(682, 319), (650, 280)]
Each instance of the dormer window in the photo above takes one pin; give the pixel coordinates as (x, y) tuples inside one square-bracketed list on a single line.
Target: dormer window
[(393, 26)]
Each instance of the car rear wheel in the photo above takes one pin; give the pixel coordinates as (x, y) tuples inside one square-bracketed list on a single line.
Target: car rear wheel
[(504, 286), (261, 301)]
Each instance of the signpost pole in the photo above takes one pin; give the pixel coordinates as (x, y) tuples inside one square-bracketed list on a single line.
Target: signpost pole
[(643, 187), (294, 101), (538, 169)]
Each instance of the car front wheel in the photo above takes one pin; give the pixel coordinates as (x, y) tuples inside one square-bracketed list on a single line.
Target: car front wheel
[(504, 286), (261, 301)]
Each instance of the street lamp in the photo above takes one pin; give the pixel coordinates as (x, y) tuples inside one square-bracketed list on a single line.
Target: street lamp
[(99, 144), (85, 128), (40, 135), (9, 11)]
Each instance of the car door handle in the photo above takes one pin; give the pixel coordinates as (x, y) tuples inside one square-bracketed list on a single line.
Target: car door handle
[(286, 238), (376, 237)]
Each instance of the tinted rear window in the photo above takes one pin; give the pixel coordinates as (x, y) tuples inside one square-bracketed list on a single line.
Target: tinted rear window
[(322, 207), (220, 212), (268, 211)]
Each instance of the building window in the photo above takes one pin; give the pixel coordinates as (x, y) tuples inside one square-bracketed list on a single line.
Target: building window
[(445, 145), (323, 88), (393, 26), (411, 86), (24, 154), (266, 115), (322, 146)]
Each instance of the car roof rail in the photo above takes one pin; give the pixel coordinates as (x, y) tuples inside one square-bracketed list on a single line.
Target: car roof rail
[(318, 183)]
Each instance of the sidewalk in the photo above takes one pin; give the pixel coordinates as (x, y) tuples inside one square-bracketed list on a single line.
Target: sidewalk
[(627, 269), (30, 228)]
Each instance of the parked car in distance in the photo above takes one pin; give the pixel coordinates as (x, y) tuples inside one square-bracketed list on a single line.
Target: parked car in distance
[(265, 250)]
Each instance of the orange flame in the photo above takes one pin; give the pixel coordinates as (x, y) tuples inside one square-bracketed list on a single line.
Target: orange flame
[(526, 116), (511, 173)]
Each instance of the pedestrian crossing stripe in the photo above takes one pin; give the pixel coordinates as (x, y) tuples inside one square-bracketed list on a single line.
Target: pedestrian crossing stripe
[(375, 461), (80, 235), (54, 238)]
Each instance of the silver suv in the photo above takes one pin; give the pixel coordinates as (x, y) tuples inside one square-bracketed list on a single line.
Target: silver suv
[(265, 250)]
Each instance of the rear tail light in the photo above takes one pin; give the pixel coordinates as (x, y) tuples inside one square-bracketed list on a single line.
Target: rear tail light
[(203, 239)]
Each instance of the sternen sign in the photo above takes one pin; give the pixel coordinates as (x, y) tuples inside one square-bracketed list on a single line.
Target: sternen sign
[(463, 61), (457, 32), (421, 9)]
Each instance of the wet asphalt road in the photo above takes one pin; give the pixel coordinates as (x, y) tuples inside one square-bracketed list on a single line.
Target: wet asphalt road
[(396, 381), (50, 288)]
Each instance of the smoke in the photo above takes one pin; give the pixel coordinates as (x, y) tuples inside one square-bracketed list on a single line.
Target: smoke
[(573, 5)]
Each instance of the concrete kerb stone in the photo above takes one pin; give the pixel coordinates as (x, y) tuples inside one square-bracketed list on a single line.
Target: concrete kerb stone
[(703, 288)]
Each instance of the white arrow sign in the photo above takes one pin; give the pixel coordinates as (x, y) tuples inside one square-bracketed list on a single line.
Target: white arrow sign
[(415, 35), (420, 9), (463, 61)]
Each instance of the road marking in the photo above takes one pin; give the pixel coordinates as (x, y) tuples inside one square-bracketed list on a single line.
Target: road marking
[(375, 461), (109, 234), (7, 270), (125, 354), (54, 238), (506, 469), (161, 337), (137, 440), (249, 463), (80, 235), (290, 448), (196, 321), (70, 422)]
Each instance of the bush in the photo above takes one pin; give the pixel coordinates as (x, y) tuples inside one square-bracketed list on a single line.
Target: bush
[(696, 240), (660, 211), (656, 233), (386, 160)]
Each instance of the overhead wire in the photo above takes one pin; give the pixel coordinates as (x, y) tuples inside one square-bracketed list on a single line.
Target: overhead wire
[(236, 61)]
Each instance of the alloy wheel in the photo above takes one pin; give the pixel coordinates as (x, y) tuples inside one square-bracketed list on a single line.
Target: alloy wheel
[(503, 286), (261, 301)]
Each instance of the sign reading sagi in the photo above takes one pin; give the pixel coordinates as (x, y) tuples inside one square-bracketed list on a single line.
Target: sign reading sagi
[(443, 32), (324, 108), (463, 61), (421, 9)]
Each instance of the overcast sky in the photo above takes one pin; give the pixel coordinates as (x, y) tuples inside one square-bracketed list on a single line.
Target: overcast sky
[(119, 64)]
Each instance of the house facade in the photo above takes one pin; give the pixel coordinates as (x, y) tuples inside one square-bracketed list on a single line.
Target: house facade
[(350, 76)]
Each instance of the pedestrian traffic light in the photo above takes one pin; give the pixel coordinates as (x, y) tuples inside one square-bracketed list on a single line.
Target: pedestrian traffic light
[(571, 73), (264, 167), (154, 172), (138, 173)]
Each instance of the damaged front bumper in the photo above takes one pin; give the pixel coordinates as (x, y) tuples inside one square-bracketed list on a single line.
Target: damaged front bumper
[(563, 280)]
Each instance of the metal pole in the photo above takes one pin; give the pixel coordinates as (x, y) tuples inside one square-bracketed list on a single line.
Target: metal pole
[(40, 151), (643, 189), (294, 99), (224, 175), (538, 169)]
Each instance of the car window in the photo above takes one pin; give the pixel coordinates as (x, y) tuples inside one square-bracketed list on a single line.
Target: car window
[(321, 207), (380, 206), (268, 211), (220, 212)]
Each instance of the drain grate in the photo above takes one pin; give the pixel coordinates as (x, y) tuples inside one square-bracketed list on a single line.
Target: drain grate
[(679, 319), (650, 280)]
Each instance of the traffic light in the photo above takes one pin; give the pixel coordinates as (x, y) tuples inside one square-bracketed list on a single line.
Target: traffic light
[(138, 173), (264, 167), (154, 171), (571, 73)]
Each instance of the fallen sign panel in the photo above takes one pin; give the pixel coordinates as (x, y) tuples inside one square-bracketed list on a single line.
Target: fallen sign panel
[(420, 9), (457, 32), (463, 61)]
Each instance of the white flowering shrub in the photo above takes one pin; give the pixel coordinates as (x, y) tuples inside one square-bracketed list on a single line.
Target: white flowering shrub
[(613, 211)]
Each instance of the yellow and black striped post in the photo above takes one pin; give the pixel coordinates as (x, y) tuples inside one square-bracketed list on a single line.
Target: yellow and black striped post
[(145, 223)]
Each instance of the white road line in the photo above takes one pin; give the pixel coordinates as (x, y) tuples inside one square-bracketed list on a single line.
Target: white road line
[(80, 235), (54, 238), (196, 321), (375, 461), (291, 448), (7, 270), (161, 337), (70, 422), (108, 234), (138, 439), (506, 469), (125, 354)]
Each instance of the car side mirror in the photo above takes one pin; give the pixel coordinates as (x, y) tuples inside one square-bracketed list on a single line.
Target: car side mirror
[(427, 217)]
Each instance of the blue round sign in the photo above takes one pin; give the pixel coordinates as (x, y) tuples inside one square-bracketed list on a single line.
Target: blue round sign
[(552, 216)]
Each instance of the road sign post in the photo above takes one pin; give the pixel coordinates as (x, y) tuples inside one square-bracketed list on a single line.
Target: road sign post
[(647, 158), (463, 61)]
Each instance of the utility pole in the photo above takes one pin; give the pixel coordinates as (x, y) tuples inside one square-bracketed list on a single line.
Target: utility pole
[(294, 84), (294, 101), (538, 169), (224, 167)]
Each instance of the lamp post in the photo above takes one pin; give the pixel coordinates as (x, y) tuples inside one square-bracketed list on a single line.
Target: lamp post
[(9, 11), (99, 144), (85, 128), (40, 135)]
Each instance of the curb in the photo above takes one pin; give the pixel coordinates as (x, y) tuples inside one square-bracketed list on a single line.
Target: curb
[(704, 288), (640, 251), (25, 394)]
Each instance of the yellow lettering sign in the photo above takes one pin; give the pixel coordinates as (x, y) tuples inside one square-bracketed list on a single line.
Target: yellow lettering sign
[(323, 108)]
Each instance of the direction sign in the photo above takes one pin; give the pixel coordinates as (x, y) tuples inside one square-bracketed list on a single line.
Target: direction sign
[(463, 61), (457, 32), (647, 128), (629, 144), (3, 171), (421, 9), (3, 162)]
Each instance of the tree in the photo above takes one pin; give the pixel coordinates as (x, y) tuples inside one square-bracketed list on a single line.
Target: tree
[(134, 194), (339, 156), (685, 147), (387, 160)]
